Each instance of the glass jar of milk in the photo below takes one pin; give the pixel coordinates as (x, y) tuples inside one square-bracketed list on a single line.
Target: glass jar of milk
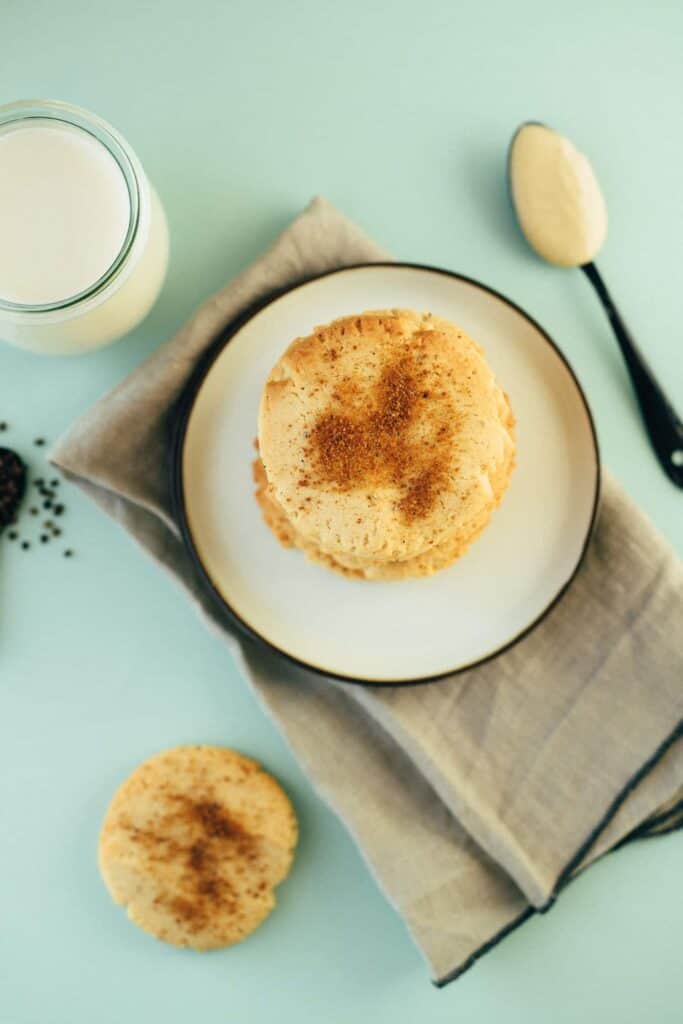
[(83, 236)]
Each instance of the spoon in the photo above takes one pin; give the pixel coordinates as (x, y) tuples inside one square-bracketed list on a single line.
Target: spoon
[(563, 217)]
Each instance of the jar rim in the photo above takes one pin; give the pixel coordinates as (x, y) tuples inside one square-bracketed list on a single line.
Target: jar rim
[(118, 149)]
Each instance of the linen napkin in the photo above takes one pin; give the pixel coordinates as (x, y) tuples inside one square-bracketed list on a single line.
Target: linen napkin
[(476, 798)]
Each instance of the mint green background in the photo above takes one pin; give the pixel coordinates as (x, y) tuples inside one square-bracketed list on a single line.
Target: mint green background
[(399, 113)]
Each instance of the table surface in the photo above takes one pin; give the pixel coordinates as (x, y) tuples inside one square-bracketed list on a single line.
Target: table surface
[(400, 114)]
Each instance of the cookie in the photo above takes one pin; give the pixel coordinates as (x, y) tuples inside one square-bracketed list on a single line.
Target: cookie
[(385, 442), (194, 843)]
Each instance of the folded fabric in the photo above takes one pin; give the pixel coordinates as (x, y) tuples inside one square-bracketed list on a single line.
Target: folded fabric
[(473, 799)]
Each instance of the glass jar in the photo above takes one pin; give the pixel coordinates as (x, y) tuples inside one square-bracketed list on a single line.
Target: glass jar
[(126, 287)]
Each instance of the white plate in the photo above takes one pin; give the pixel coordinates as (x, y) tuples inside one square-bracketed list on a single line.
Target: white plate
[(412, 630)]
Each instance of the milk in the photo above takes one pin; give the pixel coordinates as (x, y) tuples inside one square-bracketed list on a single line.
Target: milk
[(83, 236)]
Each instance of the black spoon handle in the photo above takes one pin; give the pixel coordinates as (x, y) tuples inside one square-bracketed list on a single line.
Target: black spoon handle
[(662, 423)]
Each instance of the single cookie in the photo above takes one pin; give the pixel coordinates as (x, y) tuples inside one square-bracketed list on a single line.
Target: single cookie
[(193, 844)]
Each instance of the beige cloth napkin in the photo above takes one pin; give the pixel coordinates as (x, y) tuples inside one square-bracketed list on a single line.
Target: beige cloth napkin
[(476, 798)]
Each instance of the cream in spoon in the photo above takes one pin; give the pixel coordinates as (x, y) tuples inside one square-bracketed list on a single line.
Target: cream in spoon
[(563, 216), (558, 201)]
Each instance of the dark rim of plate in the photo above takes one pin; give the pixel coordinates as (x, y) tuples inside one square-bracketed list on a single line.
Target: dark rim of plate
[(180, 417)]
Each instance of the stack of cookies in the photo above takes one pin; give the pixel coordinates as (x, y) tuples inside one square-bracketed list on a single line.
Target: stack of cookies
[(385, 444)]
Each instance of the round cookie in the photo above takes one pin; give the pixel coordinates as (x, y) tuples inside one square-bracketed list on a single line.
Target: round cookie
[(193, 844), (385, 444)]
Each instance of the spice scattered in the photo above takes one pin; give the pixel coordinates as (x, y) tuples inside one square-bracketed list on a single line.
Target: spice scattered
[(59, 510), (44, 538), (13, 535), (68, 553), (203, 837), (374, 444), (25, 545), (3, 426), (422, 492)]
